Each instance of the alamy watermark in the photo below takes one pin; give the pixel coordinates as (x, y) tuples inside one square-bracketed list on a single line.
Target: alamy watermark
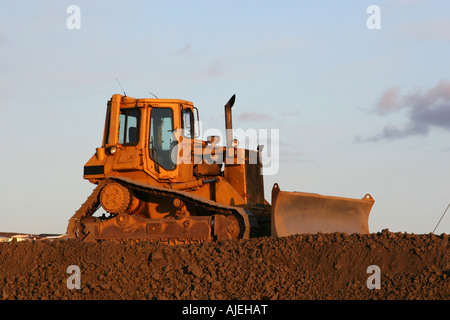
[(74, 281), (264, 142), (73, 22), (373, 22), (374, 281)]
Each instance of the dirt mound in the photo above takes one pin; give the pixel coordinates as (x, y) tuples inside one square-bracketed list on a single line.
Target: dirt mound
[(323, 266)]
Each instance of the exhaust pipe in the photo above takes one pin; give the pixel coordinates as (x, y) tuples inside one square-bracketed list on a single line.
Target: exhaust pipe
[(229, 125)]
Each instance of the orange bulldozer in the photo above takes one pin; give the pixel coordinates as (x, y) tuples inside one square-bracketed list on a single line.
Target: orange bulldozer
[(155, 180)]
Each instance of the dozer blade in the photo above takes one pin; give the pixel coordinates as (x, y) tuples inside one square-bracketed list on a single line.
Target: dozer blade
[(299, 212)]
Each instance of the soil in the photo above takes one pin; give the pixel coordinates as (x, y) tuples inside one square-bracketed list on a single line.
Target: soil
[(302, 267)]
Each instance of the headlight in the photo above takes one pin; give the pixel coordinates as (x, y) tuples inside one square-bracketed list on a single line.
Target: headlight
[(235, 143), (112, 149)]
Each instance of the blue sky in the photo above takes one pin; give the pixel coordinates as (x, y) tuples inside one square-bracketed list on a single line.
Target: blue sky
[(359, 111)]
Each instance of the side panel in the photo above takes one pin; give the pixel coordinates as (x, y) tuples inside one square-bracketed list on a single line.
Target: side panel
[(246, 178), (254, 184)]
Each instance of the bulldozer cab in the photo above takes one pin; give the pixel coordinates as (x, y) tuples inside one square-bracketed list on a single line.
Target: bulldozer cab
[(142, 136)]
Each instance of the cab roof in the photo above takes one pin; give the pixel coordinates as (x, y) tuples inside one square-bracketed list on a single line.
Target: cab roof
[(127, 100)]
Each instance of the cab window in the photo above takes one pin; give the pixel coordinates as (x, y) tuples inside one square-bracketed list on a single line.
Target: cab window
[(128, 126), (188, 123), (161, 139)]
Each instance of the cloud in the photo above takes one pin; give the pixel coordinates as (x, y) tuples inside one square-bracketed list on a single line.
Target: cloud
[(390, 101), (424, 109)]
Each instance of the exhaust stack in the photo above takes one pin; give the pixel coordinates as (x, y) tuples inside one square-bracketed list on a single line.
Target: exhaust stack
[(229, 126)]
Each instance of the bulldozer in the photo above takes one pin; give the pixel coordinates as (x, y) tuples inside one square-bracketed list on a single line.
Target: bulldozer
[(156, 180)]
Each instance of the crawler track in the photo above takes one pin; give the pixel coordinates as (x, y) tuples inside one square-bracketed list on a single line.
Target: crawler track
[(217, 221)]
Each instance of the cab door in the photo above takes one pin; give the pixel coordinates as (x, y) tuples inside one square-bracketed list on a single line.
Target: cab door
[(162, 141)]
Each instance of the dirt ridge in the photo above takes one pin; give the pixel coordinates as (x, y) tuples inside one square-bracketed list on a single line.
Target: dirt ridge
[(321, 266)]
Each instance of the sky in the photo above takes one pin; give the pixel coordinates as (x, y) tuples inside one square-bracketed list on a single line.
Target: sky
[(360, 98)]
